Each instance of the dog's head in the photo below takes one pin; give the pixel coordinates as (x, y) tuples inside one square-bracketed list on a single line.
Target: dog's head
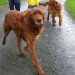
[(52, 3), (36, 16)]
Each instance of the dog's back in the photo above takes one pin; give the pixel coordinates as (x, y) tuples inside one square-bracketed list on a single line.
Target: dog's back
[(54, 8), (10, 18)]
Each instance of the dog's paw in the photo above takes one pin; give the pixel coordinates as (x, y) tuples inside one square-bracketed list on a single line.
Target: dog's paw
[(25, 48), (59, 24), (54, 25), (42, 73), (38, 37), (3, 43), (21, 55)]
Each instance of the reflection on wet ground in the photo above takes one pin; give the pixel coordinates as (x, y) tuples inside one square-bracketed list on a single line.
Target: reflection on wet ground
[(55, 49)]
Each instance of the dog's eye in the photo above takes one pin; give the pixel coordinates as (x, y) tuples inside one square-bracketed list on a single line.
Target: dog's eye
[(43, 17), (34, 13), (40, 13)]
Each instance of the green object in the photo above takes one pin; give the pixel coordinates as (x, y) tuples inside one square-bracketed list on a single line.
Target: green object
[(70, 7), (3, 2)]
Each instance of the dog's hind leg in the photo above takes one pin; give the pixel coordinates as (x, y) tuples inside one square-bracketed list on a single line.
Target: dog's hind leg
[(19, 47), (4, 39)]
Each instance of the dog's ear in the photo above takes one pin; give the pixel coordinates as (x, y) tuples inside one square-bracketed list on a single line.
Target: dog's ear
[(28, 16), (43, 12)]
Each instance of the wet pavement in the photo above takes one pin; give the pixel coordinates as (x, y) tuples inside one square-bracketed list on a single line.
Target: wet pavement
[(55, 49)]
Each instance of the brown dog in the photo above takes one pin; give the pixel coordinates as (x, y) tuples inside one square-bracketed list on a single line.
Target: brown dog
[(54, 8), (27, 26)]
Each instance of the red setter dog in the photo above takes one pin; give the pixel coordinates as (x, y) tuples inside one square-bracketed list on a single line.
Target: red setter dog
[(27, 26), (54, 8)]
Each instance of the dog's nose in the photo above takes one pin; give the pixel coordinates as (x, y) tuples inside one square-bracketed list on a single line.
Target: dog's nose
[(39, 20)]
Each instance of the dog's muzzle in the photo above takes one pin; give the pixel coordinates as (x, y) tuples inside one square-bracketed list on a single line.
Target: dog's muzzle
[(39, 21)]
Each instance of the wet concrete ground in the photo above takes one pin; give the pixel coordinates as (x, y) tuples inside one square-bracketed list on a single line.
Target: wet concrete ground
[(55, 49)]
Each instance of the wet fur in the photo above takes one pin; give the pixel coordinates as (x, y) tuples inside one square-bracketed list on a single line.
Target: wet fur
[(25, 27), (54, 9)]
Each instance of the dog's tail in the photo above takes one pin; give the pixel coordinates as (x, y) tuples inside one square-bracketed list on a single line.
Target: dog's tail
[(6, 28)]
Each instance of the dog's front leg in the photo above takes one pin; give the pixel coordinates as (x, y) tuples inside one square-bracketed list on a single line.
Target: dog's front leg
[(35, 59), (48, 16), (53, 20)]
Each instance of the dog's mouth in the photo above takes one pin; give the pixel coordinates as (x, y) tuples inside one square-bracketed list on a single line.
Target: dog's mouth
[(39, 22)]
